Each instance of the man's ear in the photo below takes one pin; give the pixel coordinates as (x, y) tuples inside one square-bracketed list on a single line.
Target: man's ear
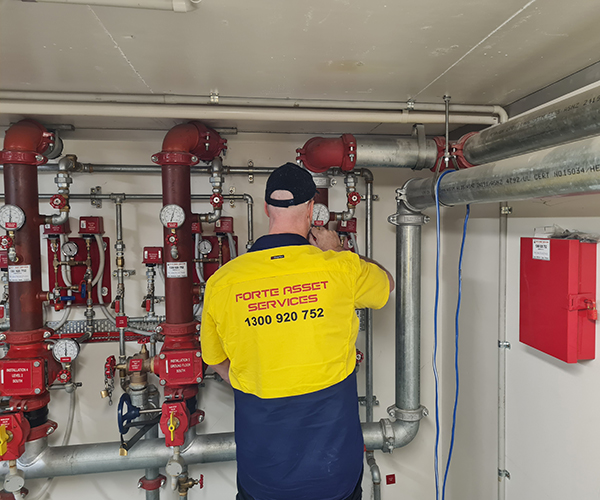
[(266, 209), (310, 209)]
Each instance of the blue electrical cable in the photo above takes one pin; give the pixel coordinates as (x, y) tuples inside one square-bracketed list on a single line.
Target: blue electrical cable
[(435, 336), (456, 331), (435, 344)]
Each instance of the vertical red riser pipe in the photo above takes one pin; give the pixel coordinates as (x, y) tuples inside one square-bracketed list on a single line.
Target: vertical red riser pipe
[(183, 146), (26, 138)]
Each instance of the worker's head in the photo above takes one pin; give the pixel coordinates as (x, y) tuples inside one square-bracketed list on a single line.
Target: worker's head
[(289, 199)]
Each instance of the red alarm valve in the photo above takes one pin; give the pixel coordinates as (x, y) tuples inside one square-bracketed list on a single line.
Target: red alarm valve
[(64, 376), (174, 422), (5, 242), (353, 198), (216, 200), (172, 239), (109, 367), (58, 201)]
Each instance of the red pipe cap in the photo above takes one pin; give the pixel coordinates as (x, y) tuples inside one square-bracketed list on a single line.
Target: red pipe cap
[(320, 154)]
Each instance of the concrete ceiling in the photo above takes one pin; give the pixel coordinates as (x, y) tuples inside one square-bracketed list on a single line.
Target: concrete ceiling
[(477, 51)]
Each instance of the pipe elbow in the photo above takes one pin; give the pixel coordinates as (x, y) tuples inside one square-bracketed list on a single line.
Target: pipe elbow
[(57, 219), (194, 138), (248, 199), (27, 135)]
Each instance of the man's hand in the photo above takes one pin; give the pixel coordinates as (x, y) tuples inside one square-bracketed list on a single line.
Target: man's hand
[(324, 239)]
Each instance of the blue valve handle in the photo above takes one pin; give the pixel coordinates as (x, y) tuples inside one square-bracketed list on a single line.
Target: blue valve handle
[(126, 413), (67, 298), (83, 288)]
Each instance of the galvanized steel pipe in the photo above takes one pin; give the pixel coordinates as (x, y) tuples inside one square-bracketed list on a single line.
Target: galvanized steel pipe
[(568, 120), (560, 171)]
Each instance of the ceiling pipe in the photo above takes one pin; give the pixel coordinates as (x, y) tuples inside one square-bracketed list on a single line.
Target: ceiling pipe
[(237, 113), (564, 170), (564, 121), (171, 5), (215, 99)]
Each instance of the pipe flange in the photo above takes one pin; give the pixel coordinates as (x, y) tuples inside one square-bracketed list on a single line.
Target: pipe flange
[(407, 415)]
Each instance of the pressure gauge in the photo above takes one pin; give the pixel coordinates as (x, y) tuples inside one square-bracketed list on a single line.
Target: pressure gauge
[(65, 350), (11, 217), (320, 215), (172, 216), (3, 350), (204, 247), (70, 249)]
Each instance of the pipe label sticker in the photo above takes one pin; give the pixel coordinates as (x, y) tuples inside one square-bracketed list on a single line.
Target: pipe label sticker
[(541, 249), (19, 273), (177, 270)]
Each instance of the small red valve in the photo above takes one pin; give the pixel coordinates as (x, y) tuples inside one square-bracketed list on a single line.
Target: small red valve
[(64, 376), (6, 242), (148, 305), (216, 200), (58, 201), (353, 198), (59, 306), (172, 239), (109, 367), (359, 356)]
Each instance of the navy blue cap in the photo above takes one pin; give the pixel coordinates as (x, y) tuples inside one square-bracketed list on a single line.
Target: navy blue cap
[(290, 177)]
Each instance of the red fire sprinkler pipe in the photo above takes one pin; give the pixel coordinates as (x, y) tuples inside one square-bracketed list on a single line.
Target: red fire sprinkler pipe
[(179, 364), (28, 367)]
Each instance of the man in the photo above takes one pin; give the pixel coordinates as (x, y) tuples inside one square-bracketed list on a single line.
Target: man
[(279, 324)]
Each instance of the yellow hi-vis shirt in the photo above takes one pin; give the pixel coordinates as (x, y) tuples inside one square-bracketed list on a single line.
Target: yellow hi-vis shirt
[(285, 317)]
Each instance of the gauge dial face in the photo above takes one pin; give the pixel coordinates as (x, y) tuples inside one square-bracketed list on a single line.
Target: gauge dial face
[(65, 350), (320, 215), (3, 350), (172, 216), (204, 247), (70, 249), (11, 217)]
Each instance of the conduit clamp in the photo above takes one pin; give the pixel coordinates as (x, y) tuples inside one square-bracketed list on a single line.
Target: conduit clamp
[(407, 415)]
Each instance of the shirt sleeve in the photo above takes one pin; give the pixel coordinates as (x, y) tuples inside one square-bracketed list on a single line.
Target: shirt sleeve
[(372, 286), (212, 349)]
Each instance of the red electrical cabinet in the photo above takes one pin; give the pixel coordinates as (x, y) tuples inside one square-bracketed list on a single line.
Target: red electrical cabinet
[(558, 297)]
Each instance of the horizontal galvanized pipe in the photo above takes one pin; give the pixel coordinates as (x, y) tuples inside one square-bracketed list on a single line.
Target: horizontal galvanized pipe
[(402, 152), (238, 113), (561, 171), (46, 461), (568, 120)]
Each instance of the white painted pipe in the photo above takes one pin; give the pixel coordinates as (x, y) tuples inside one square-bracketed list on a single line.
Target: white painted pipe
[(172, 5), (251, 101), (238, 113)]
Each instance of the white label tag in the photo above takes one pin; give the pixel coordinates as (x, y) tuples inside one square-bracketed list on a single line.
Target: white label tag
[(19, 273), (177, 270), (541, 249)]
